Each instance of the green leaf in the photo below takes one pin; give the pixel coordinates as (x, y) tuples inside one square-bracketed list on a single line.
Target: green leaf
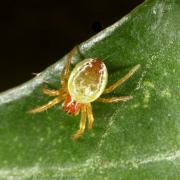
[(136, 139)]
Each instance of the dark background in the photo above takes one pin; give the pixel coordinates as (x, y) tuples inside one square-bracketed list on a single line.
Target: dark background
[(34, 33)]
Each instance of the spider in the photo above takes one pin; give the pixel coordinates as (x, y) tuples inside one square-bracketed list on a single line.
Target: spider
[(85, 84)]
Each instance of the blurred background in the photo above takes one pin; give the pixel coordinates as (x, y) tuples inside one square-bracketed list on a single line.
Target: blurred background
[(34, 33)]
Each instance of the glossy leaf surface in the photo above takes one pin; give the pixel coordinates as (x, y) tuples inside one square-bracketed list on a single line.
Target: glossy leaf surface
[(136, 139)]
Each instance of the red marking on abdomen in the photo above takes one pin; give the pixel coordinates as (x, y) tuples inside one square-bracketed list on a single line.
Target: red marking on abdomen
[(93, 72), (95, 65)]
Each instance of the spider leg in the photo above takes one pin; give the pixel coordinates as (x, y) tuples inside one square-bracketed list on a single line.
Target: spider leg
[(90, 116), (66, 71), (122, 80), (50, 92), (114, 99), (82, 124), (46, 106)]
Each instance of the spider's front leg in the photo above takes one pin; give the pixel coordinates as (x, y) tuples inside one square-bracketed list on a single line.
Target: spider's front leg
[(90, 116), (122, 80), (46, 106), (82, 124), (50, 92), (114, 99), (66, 71)]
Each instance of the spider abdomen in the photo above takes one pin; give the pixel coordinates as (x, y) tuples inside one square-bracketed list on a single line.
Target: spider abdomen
[(87, 80)]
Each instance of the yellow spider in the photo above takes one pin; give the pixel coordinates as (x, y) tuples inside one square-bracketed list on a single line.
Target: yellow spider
[(85, 84)]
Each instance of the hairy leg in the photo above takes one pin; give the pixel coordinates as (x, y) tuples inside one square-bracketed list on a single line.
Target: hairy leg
[(90, 116), (46, 106), (114, 99), (122, 80), (50, 92), (66, 71), (82, 124)]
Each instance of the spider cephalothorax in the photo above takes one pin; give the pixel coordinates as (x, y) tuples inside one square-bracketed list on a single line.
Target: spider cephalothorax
[(85, 84), (71, 106)]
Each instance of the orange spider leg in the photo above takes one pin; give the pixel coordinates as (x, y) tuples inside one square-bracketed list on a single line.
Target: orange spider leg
[(90, 116), (46, 106), (122, 80), (66, 71), (50, 92), (82, 124), (114, 99)]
